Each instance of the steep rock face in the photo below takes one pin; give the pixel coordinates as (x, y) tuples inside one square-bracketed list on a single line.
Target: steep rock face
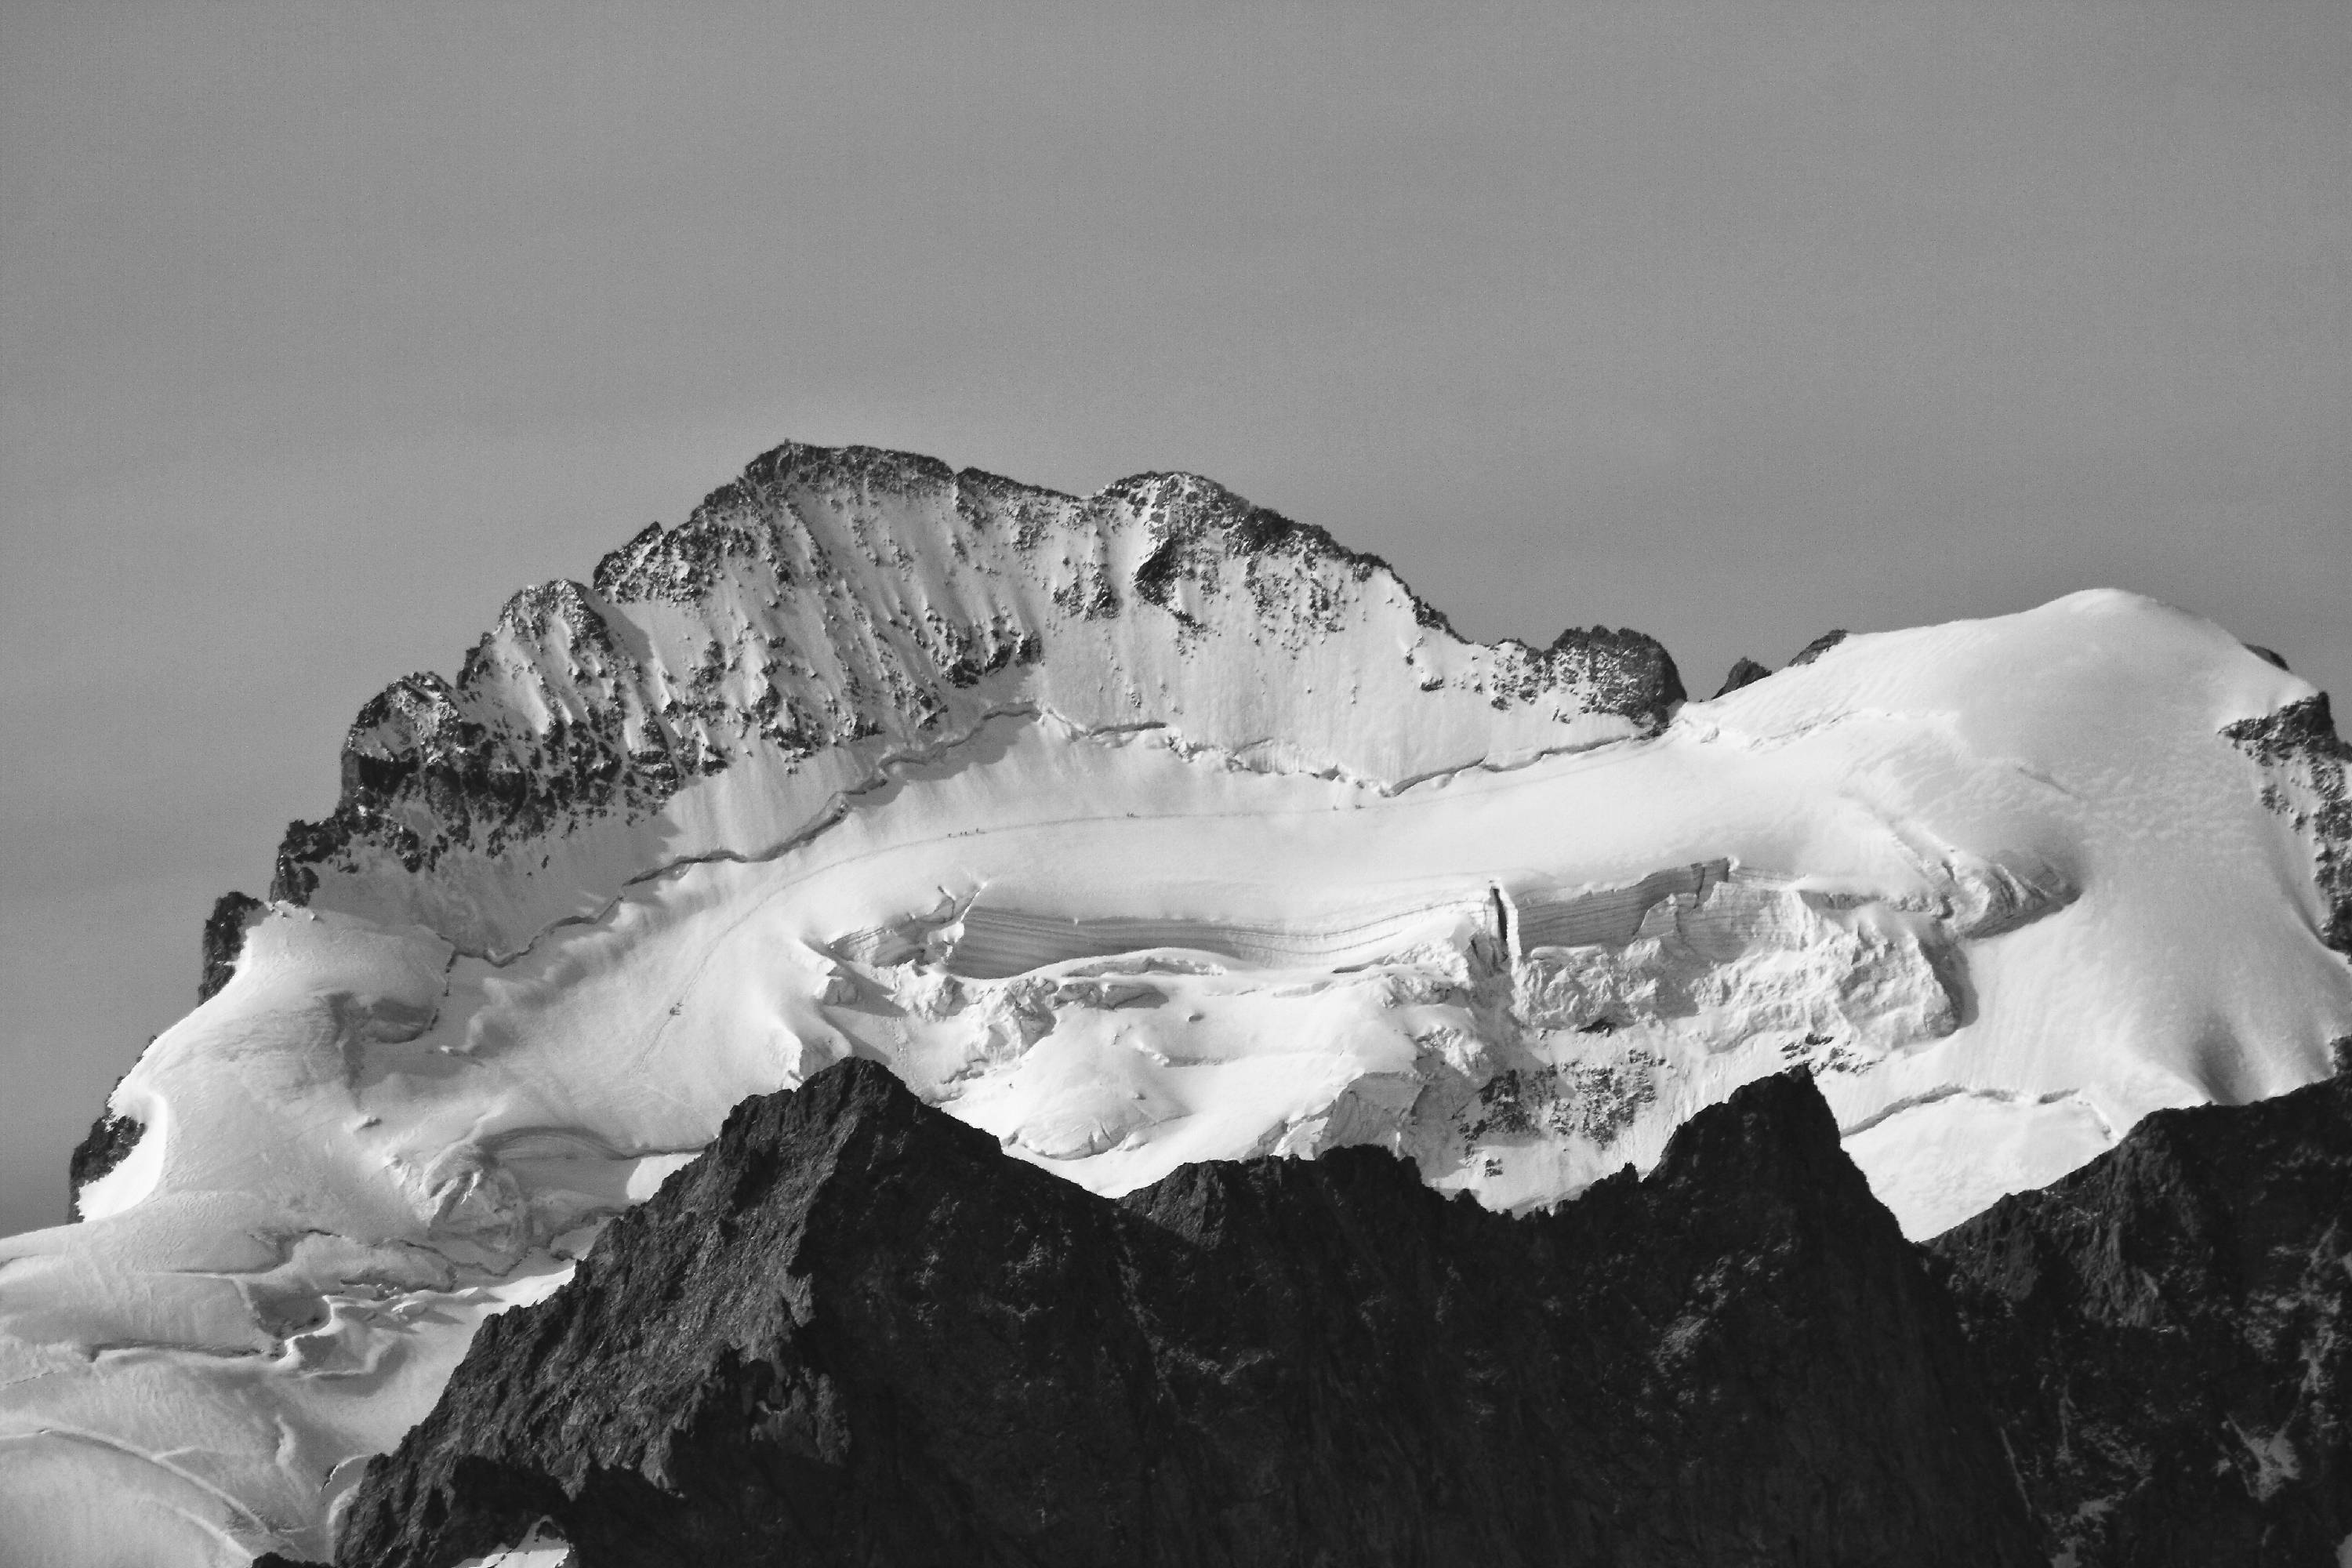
[(223, 940), (2309, 782), (832, 609), (2167, 1336), (108, 1143), (855, 1332)]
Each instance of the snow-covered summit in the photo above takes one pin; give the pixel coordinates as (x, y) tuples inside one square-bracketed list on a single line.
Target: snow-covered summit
[(1137, 830), (718, 686)]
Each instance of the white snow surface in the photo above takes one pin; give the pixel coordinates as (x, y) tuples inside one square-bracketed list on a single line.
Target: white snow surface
[(540, 1547), (2001, 884)]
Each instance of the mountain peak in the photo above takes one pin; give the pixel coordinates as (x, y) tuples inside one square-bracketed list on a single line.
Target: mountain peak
[(835, 607), (1132, 833)]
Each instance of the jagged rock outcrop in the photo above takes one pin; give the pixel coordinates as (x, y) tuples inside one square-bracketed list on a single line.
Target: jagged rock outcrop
[(855, 1331), (2308, 780), (1818, 646), (832, 607), (107, 1145), (1744, 673), (2167, 1335), (111, 1138), (223, 939)]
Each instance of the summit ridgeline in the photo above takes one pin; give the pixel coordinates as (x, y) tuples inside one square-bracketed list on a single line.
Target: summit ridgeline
[(834, 609)]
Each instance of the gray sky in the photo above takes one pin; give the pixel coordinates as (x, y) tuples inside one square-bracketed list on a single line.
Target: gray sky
[(322, 328)]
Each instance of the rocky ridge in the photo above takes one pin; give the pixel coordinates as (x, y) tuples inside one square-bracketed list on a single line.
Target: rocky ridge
[(856, 1332), (2166, 1334), (223, 940), (2308, 770), (833, 607)]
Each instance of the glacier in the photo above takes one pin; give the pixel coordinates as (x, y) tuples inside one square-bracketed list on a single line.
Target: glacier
[(1135, 829)]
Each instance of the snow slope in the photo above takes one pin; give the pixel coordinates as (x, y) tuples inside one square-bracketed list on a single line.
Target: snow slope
[(1137, 830)]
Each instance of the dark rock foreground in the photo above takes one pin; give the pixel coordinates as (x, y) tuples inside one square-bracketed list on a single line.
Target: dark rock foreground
[(2166, 1334), (856, 1332)]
